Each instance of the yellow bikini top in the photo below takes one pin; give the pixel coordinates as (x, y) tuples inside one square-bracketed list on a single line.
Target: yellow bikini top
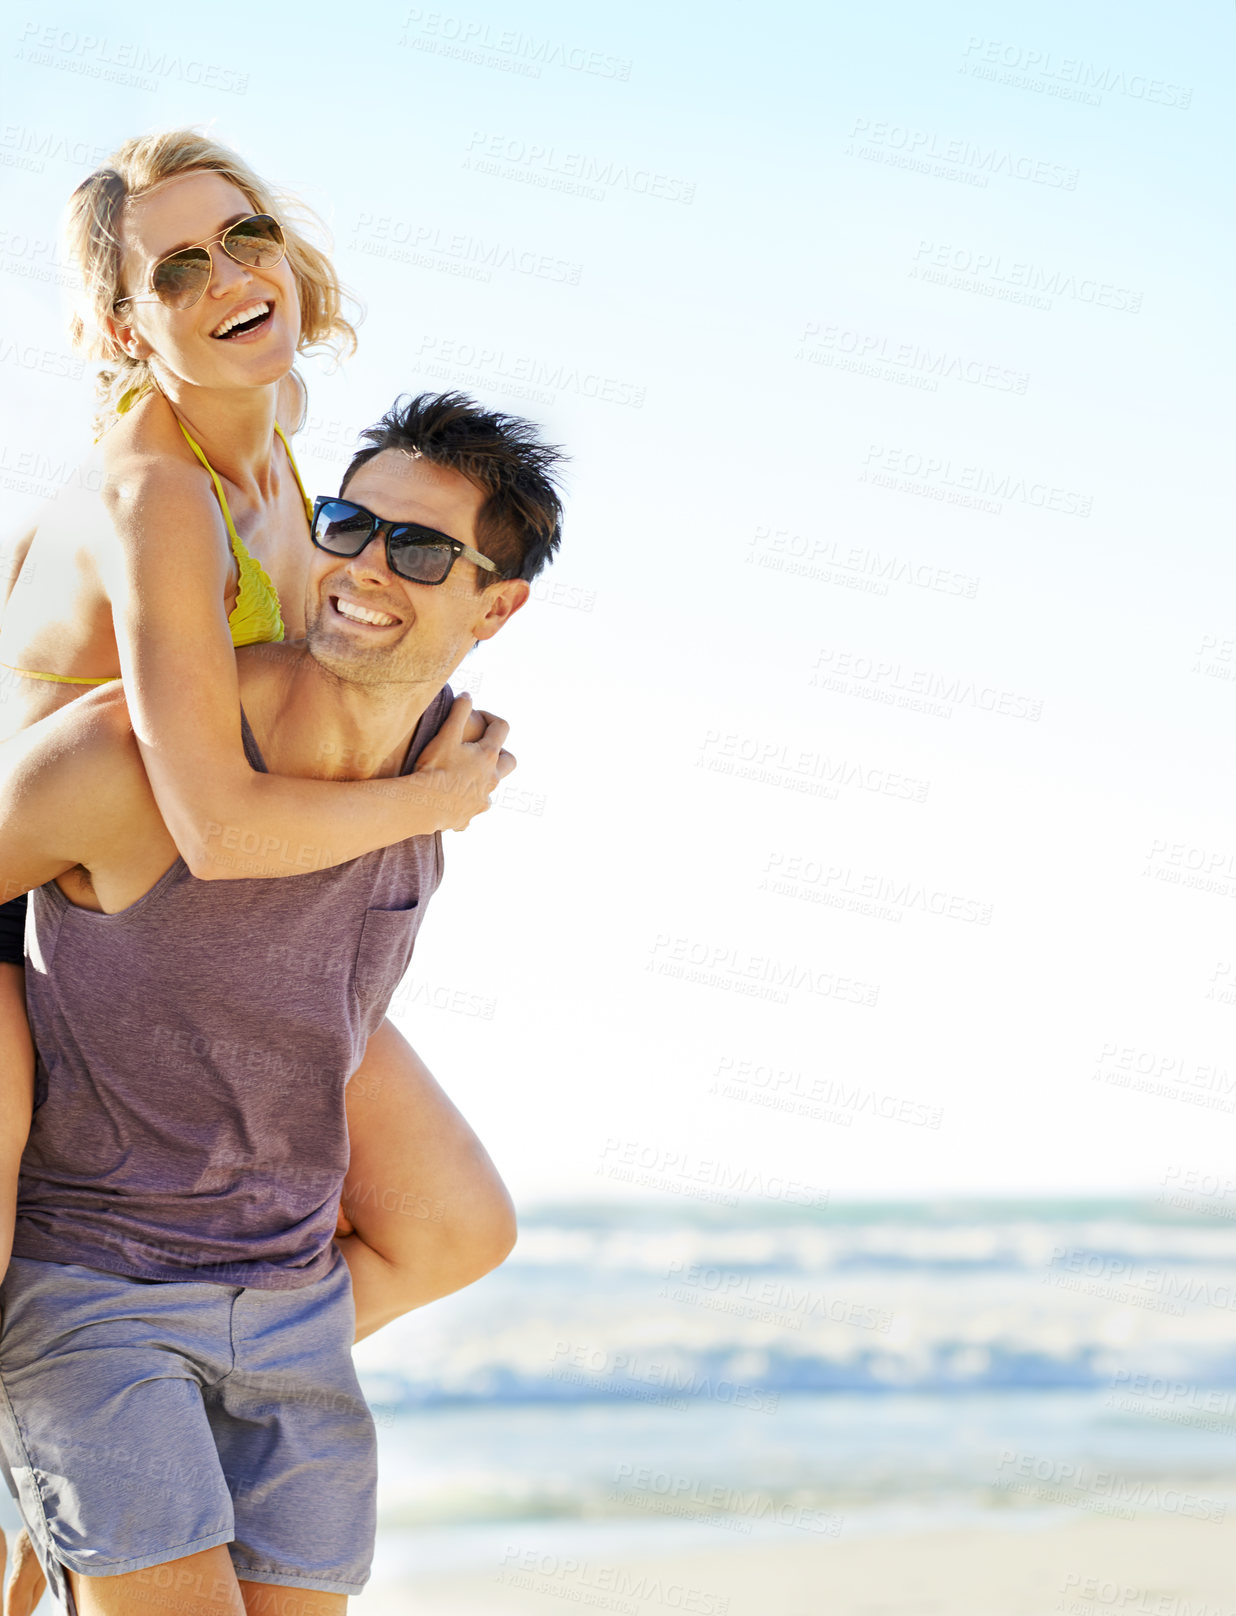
[(256, 618)]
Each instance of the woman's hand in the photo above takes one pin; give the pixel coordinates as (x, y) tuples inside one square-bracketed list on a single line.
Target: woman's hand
[(465, 761)]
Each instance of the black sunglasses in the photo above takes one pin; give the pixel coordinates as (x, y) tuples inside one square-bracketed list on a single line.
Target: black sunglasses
[(422, 555)]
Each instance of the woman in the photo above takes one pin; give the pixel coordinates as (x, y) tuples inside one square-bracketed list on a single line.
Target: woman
[(200, 291)]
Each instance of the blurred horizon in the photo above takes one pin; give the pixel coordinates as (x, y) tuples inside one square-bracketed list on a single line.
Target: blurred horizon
[(844, 983)]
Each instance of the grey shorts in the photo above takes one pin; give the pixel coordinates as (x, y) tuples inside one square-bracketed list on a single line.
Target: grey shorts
[(144, 1420)]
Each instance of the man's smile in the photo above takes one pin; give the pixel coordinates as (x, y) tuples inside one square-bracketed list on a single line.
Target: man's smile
[(353, 612)]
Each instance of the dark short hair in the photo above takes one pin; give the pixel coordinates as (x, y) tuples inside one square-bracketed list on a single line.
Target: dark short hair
[(519, 526)]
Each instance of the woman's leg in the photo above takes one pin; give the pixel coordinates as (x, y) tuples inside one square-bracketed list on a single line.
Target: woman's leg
[(25, 1582), (430, 1213), (16, 1091)]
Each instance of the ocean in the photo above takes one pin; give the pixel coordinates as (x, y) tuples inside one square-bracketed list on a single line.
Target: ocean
[(649, 1377), (673, 1374)]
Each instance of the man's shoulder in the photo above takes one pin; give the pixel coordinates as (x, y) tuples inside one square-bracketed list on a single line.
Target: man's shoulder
[(428, 725), (440, 706)]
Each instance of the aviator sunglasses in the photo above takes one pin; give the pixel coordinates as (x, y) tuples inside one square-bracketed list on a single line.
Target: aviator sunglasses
[(422, 555), (180, 279)]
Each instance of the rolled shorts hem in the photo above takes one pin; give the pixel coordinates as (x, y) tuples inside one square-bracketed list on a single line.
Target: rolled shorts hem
[(142, 1562), (292, 1579)]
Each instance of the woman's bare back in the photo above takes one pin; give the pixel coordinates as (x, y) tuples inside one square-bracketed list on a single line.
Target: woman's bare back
[(58, 616)]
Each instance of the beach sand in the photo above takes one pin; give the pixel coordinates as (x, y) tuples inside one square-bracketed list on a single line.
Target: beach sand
[(1152, 1566)]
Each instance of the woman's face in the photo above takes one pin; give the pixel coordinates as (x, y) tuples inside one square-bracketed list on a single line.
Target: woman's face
[(185, 342)]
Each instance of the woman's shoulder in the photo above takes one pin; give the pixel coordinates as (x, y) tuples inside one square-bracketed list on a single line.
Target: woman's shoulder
[(147, 430), (154, 487), (145, 455)]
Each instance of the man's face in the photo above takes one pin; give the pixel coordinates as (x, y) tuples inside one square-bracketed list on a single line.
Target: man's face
[(422, 631)]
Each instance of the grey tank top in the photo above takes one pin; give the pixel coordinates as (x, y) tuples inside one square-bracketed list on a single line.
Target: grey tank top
[(194, 1050)]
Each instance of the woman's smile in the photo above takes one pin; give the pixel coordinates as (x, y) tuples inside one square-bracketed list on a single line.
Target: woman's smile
[(250, 319)]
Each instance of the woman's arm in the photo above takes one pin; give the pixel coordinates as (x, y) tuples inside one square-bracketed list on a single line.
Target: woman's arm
[(167, 578), (428, 1208)]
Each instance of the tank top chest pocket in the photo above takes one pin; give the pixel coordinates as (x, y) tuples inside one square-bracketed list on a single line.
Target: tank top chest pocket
[(383, 953)]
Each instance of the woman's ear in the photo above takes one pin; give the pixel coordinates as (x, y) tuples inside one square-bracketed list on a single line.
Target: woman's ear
[(125, 339)]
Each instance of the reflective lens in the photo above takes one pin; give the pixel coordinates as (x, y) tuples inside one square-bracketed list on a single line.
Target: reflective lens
[(257, 241), (341, 528), (181, 279), (420, 561)]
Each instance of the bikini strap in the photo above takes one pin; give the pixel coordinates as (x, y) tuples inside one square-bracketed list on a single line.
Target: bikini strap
[(60, 678), (296, 472), (238, 548)]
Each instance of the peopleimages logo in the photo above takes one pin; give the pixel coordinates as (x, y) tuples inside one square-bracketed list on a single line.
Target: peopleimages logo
[(468, 39), (693, 1497), (825, 1098), (624, 1373), (138, 66), (754, 757), (1025, 66), (923, 689), (866, 892), (763, 976), (956, 482), (22, 146), (771, 1300), (577, 173), (1016, 280), (852, 565), (878, 354), (605, 1587), (1076, 1482), (953, 156), (653, 1166)]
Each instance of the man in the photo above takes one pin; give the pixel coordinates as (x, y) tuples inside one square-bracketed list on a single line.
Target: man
[(178, 1410)]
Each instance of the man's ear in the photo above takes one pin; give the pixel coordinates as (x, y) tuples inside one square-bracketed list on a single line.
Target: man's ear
[(505, 600)]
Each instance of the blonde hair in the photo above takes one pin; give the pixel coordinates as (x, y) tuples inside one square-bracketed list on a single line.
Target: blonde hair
[(93, 233)]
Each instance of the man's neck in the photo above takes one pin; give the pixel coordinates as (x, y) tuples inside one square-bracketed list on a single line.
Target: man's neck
[(310, 724)]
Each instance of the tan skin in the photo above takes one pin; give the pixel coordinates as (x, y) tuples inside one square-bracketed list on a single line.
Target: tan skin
[(76, 805), (132, 584)]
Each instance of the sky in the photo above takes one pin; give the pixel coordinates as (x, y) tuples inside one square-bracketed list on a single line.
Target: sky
[(872, 828)]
